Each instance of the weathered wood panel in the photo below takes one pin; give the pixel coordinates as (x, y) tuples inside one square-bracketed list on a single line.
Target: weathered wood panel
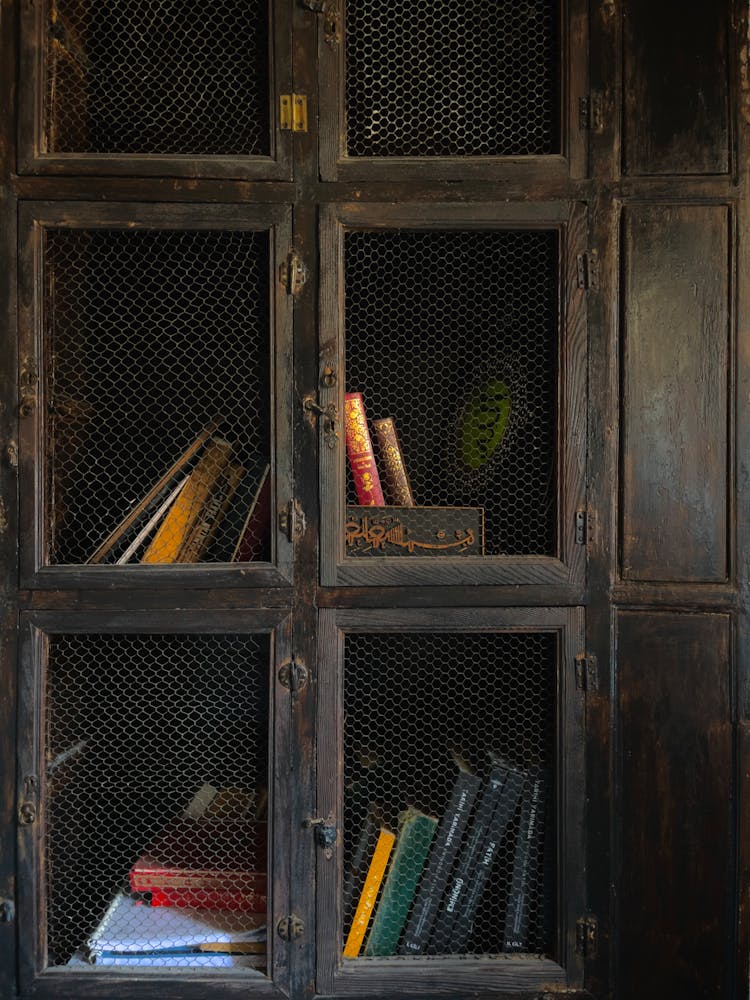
[(675, 393), (675, 761), (676, 92)]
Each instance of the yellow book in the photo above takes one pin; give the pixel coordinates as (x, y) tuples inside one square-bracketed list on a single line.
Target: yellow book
[(187, 508), (366, 903)]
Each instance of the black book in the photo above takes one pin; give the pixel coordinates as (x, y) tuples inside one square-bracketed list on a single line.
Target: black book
[(459, 881), (440, 861), (525, 863)]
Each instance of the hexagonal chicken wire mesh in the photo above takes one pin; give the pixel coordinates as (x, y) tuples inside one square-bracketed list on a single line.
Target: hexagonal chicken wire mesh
[(414, 704), (156, 796), (442, 78), (437, 323), (150, 336), (157, 77)]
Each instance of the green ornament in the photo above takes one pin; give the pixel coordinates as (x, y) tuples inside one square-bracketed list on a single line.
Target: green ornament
[(483, 423)]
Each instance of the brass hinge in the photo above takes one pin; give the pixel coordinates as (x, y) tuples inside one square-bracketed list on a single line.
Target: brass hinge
[(293, 675), (292, 520), (591, 113), (293, 112), (293, 274), (331, 18), (587, 672), (28, 383), (584, 526), (290, 927), (587, 935), (587, 265)]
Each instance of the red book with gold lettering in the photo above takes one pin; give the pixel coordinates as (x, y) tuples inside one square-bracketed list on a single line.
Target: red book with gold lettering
[(361, 455)]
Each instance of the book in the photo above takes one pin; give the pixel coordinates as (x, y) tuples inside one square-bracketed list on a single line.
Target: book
[(391, 463), (415, 832), (443, 852), (355, 867), (361, 454), (369, 893), (214, 509), (525, 863), (162, 488), (132, 931), (150, 525), (253, 537), (478, 830), (182, 516)]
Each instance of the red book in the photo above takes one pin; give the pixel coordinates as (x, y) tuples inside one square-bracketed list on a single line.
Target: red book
[(361, 454), (213, 864)]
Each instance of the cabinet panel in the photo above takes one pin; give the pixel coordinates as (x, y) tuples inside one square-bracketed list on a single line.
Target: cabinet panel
[(443, 91), (675, 760), (676, 115), (158, 347), (464, 730), (675, 436), (146, 801), (155, 88), (467, 328)]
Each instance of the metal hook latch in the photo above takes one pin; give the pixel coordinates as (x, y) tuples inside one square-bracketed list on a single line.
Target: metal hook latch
[(330, 417)]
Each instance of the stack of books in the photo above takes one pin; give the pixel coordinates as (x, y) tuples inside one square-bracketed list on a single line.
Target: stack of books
[(205, 502), (421, 890)]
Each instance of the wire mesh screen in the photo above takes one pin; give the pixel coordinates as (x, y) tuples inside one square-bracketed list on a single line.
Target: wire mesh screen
[(157, 77), (478, 78), (454, 335), (449, 775), (158, 395), (156, 799)]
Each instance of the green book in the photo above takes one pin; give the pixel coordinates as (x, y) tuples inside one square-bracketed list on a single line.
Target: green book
[(415, 833)]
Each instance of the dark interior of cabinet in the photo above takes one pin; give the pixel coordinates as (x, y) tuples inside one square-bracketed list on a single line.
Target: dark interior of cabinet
[(150, 336), (156, 77), (135, 726), (434, 318), (413, 704)]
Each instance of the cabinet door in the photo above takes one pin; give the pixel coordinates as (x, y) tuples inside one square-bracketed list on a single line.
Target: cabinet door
[(465, 325), (417, 711), (451, 90), (155, 88), (155, 393), (148, 815)]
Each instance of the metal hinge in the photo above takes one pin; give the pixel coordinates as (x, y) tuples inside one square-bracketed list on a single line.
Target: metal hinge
[(292, 520), (591, 113), (28, 384), (587, 672), (587, 265), (290, 927), (293, 112), (587, 934), (7, 911), (293, 675), (584, 526), (293, 274), (331, 20)]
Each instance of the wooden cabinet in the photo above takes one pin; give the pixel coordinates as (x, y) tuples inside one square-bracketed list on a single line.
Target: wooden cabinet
[(518, 225)]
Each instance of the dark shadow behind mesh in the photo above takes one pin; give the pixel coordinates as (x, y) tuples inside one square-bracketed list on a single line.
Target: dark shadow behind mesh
[(430, 317), (409, 701), (134, 726)]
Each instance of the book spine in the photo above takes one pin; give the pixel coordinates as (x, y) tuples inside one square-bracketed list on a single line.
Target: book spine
[(213, 511), (416, 831), (252, 541), (458, 883), (397, 487), (504, 812), (528, 845), (369, 894), (361, 454), (439, 864), (184, 512)]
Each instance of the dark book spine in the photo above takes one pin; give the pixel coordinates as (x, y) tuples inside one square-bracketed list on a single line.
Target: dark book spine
[(528, 847), (458, 882), (439, 863), (487, 855)]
